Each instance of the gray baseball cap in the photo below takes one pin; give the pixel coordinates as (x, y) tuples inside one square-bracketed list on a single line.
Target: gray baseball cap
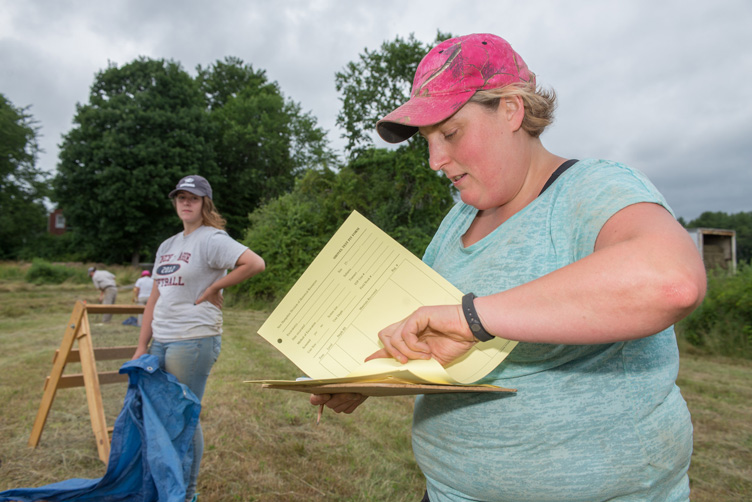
[(194, 184)]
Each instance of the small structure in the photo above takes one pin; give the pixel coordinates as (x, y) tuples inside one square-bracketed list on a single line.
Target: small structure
[(717, 247), (56, 224)]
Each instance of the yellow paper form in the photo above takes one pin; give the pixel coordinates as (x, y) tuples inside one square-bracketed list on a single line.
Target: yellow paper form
[(361, 282)]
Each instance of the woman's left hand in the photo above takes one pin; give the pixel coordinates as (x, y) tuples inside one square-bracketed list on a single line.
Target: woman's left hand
[(340, 403), (248, 265), (213, 297), (438, 332)]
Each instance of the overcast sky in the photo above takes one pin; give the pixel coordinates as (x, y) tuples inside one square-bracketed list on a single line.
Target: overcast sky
[(663, 86)]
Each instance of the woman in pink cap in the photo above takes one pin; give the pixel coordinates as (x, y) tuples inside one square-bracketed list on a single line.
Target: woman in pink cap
[(142, 291), (582, 262)]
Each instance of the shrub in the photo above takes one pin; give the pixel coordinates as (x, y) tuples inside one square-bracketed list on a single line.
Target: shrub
[(287, 233), (394, 189), (53, 248), (722, 325), (11, 271), (43, 272)]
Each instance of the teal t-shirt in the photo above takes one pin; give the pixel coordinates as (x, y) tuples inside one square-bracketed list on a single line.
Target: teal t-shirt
[(589, 422)]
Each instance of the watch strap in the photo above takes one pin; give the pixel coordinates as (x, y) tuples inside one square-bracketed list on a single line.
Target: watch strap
[(473, 320)]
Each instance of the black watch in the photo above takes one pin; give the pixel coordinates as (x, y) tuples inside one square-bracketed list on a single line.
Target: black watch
[(471, 315)]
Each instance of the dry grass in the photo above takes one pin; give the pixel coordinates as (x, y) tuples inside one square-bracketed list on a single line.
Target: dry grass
[(719, 394), (263, 445)]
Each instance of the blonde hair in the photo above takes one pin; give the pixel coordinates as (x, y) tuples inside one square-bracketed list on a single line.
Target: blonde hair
[(211, 216), (539, 104)]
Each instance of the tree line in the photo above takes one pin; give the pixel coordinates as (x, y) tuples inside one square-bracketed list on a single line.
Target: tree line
[(276, 180)]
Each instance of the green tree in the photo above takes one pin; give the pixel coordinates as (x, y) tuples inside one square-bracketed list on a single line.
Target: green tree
[(262, 141), (385, 186), (144, 127), (401, 194), (393, 188), (376, 84), (740, 222), (22, 183)]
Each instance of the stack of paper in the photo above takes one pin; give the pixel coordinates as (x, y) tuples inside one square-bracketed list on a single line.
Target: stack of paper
[(361, 282)]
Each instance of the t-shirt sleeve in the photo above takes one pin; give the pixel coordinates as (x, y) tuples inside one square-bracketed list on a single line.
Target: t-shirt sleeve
[(591, 195), (222, 251)]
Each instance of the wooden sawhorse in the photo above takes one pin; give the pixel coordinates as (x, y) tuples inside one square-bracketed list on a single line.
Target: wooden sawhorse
[(78, 330)]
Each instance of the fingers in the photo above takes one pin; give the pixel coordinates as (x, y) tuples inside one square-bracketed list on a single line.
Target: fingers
[(379, 354), (318, 399), (439, 332), (401, 340), (339, 403), (216, 299)]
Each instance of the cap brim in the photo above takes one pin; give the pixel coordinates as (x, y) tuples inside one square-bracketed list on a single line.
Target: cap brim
[(419, 111), (189, 190)]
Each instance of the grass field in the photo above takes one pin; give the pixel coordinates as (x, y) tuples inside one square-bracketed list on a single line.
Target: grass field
[(263, 445)]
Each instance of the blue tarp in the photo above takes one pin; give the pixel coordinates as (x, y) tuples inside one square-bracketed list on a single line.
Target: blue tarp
[(131, 321), (151, 450)]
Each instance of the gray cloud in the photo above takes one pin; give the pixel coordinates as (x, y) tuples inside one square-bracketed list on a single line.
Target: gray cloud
[(662, 86)]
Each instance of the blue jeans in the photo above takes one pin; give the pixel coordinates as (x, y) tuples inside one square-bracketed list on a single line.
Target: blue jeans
[(190, 361)]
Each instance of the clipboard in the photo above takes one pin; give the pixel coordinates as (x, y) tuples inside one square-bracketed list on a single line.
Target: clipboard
[(382, 388)]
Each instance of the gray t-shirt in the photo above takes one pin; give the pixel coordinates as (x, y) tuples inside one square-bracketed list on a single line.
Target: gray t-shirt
[(103, 279), (184, 267)]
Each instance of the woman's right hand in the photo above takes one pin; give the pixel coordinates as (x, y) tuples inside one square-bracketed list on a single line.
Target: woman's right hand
[(140, 351), (439, 332)]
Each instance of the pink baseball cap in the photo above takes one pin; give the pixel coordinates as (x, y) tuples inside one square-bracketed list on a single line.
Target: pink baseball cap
[(447, 78), (145, 273)]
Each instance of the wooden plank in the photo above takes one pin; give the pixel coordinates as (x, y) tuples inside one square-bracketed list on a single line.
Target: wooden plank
[(77, 379), (114, 353), (114, 309), (71, 330), (93, 391), (102, 353)]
